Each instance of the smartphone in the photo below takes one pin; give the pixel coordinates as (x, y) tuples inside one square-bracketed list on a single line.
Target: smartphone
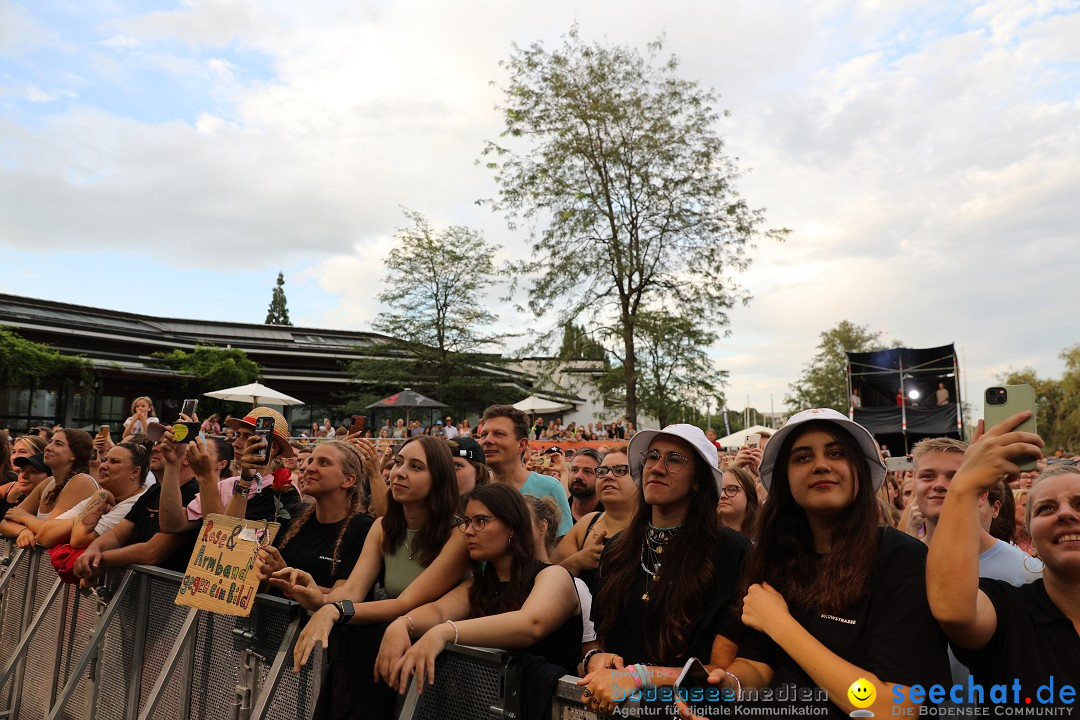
[(898, 464), (541, 460), (103, 431), (1003, 401), (264, 428), (359, 424), (694, 674), (753, 441), (189, 407)]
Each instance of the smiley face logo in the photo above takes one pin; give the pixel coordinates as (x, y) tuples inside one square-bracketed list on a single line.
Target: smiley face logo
[(862, 693)]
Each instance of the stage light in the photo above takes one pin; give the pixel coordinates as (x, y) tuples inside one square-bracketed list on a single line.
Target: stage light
[(913, 394)]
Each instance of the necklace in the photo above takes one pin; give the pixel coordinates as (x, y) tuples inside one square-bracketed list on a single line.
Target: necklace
[(408, 547), (652, 548)]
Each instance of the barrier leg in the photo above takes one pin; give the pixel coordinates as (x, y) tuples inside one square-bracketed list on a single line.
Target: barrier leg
[(91, 650), (31, 631), (182, 642), (258, 712)]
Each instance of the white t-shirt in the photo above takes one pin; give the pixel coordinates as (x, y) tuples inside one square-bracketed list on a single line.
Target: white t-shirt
[(588, 632), (451, 432), (110, 519)]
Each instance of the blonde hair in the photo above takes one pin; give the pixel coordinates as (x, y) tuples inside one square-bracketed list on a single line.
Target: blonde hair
[(148, 402), (937, 445), (352, 463), (544, 509)]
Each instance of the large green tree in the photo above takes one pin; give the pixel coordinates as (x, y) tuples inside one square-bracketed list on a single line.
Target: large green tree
[(823, 382), (616, 165), (435, 289), (675, 374)]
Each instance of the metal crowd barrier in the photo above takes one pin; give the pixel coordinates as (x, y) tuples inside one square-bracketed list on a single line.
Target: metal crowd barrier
[(127, 651)]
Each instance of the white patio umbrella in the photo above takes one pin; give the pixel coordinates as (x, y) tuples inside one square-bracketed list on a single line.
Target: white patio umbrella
[(256, 394), (539, 406), (738, 439)]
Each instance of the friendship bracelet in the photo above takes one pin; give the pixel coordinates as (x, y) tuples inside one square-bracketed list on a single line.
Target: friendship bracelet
[(412, 628), (646, 678), (454, 625), (632, 671)]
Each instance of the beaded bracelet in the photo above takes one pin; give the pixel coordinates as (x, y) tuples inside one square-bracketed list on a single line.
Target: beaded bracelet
[(738, 685), (588, 656), (454, 625)]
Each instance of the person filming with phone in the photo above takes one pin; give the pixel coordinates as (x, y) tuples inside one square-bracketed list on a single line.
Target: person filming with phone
[(1011, 634)]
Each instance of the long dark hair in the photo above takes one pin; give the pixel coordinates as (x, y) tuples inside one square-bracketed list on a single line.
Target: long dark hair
[(749, 489), (784, 554), (486, 597), (82, 446), (442, 504), (687, 576)]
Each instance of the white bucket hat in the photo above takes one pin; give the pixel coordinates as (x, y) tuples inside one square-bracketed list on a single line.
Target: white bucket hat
[(691, 434), (861, 435)]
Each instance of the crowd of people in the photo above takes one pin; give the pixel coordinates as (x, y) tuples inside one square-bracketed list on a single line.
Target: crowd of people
[(798, 561)]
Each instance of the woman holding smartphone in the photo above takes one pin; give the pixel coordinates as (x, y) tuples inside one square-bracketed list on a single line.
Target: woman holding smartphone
[(1003, 633), (831, 596), (667, 582)]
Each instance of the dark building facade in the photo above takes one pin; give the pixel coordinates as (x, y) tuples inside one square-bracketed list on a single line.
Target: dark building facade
[(309, 364)]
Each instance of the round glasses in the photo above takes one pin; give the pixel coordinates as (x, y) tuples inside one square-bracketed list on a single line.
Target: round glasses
[(616, 470), (731, 491), (477, 521), (673, 461)]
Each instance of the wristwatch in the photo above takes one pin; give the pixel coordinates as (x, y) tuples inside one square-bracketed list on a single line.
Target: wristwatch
[(242, 489), (346, 610)]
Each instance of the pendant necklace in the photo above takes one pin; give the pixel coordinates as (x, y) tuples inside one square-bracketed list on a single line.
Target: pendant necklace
[(652, 548)]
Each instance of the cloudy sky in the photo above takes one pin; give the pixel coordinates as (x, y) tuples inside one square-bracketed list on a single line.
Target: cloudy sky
[(170, 157)]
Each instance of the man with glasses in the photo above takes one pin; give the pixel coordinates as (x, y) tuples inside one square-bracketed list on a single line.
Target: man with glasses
[(583, 497)]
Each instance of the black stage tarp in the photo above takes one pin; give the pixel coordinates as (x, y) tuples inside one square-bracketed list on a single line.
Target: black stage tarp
[(936, 421)]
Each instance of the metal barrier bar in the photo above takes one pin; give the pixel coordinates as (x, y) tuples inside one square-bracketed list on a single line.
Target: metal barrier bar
[(135, 688), (34, 625), (270, 684), (9, 562), (170, 663), (80, 667)]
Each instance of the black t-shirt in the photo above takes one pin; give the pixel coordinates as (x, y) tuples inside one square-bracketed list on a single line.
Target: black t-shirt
[(717, 618), (312, 548), (144, 515), (1032, 642), (889, 632), (562, 646), (261, 506)]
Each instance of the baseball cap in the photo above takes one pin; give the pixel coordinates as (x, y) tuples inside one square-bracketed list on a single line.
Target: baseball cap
[(468, 449), (281, 427), (691, 434), (35, 461), (861, 435)]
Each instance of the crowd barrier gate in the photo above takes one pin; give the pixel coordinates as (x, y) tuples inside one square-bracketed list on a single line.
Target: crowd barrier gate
[(126, 651)]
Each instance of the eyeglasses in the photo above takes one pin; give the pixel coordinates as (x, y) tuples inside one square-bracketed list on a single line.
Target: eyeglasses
[(477, 521), (673, 461), (731, 491), (616, 470)]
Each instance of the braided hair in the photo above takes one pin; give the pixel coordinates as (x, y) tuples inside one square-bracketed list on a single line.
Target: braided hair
[(352, 463), (81, 445)]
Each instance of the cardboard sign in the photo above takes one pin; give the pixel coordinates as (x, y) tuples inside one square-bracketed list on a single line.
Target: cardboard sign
[(220, 576)]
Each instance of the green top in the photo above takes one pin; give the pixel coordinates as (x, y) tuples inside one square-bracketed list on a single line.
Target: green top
[(401, 568)]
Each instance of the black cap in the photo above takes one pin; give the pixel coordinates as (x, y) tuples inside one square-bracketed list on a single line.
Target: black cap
[(468, 449), (35, 461)]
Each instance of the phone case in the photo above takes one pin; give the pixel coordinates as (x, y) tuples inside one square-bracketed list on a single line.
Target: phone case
[(1018, 399)]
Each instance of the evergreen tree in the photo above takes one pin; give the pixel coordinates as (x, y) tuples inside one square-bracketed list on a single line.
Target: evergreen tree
[(278, 314)]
